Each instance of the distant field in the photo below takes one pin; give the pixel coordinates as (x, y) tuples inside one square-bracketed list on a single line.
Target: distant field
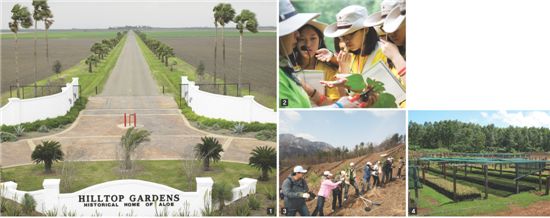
[(229, 32), (259, 55), (69, 47), (61, 34)]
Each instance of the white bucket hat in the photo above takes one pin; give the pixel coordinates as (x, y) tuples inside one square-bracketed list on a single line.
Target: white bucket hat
[(369, 163), (351, 164), (378, 18), (317, 24), (348, 20), (394, 20), (299, 169), (290, 20), (327, 173)]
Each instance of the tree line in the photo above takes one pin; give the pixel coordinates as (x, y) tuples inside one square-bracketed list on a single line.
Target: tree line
[(101, 49), (344, 152), (459, 136)]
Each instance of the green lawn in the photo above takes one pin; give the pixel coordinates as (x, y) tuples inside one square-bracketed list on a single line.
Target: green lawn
[(64, 34), (88, 81), (229, 32), (167, 172), (432, 203), (171, 79)]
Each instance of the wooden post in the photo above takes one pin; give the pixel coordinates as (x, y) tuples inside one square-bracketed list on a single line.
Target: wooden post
[(547, 185), (424, 173), (486, 182), (540, 180), (517, 180), (454, 184), (465, 170), (501, 169), (444, 170)]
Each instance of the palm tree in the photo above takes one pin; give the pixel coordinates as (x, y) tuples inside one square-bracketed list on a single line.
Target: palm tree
[(263, 158), (130, 141), (97, 49), (20, 16), (216, 18), (245, 20), (226, 15), (222, 192), (48, 21), (209, 149), (47, 152), (37, 15), (92, 59)]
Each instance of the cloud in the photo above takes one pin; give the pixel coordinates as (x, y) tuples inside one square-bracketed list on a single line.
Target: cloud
[(484, 114), (292, 115), (522, 119), (384, 113), (306, 136)]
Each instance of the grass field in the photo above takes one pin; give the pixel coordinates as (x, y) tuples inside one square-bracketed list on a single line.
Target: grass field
[(171, 79), (432, 203), (63, 34), (88, 81)]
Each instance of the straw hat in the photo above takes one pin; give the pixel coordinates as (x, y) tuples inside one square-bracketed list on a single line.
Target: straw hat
[(290, 20), (348, 20)]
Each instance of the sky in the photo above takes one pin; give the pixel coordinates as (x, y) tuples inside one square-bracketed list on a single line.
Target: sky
[(91, 14), (348, 127), (498, 118)]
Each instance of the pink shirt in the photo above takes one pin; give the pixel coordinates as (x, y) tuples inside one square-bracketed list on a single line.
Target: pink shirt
[(326, 187)]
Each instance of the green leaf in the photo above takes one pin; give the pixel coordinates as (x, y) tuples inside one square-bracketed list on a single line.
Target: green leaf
[(385, 100), (355, 82)]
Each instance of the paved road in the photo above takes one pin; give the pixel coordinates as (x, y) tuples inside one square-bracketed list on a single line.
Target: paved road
[(131, 75), (130, 89)]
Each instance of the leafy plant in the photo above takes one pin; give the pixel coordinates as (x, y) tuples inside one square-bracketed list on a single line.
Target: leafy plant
[(56, 68), (253, 202), (19, 130), (29, 204), (47, 152), (7, 137), (242, 209), (222, 192), (271, 194), (66, 212), (385, 100), (52, 212), (263, 158), (208, 150), (238, 128), (43, 128), (266, 135)]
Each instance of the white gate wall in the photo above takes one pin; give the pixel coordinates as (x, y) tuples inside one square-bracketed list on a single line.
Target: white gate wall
[(244, 109), (18, 111)]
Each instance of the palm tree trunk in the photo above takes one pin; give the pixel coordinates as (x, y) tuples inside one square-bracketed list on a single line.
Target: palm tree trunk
[(223, 62), (46, 37), (127, 161), (206, 164), (48, 166), (90, 66), (215, 54), (34, 53), (240, 64), (17, 65), (264, 175)]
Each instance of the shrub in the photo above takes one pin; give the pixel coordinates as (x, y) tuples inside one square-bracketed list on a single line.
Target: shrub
[(238, 128), (7, 137), (270, 193), (253, 202), (19, 130), (43, 128), (242, 209), (29, 204), (266, 135)]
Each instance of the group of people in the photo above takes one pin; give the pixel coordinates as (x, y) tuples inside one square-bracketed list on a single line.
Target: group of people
[(295, 190), (361, 41)]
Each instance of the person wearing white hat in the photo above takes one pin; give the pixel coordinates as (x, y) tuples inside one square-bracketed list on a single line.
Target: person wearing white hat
[(310, 44), (376, 171), (292, 91), (295, 191), (337, 192), (350, 181), (394, 46), (324, 191), (366, 177), (360, 37)]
